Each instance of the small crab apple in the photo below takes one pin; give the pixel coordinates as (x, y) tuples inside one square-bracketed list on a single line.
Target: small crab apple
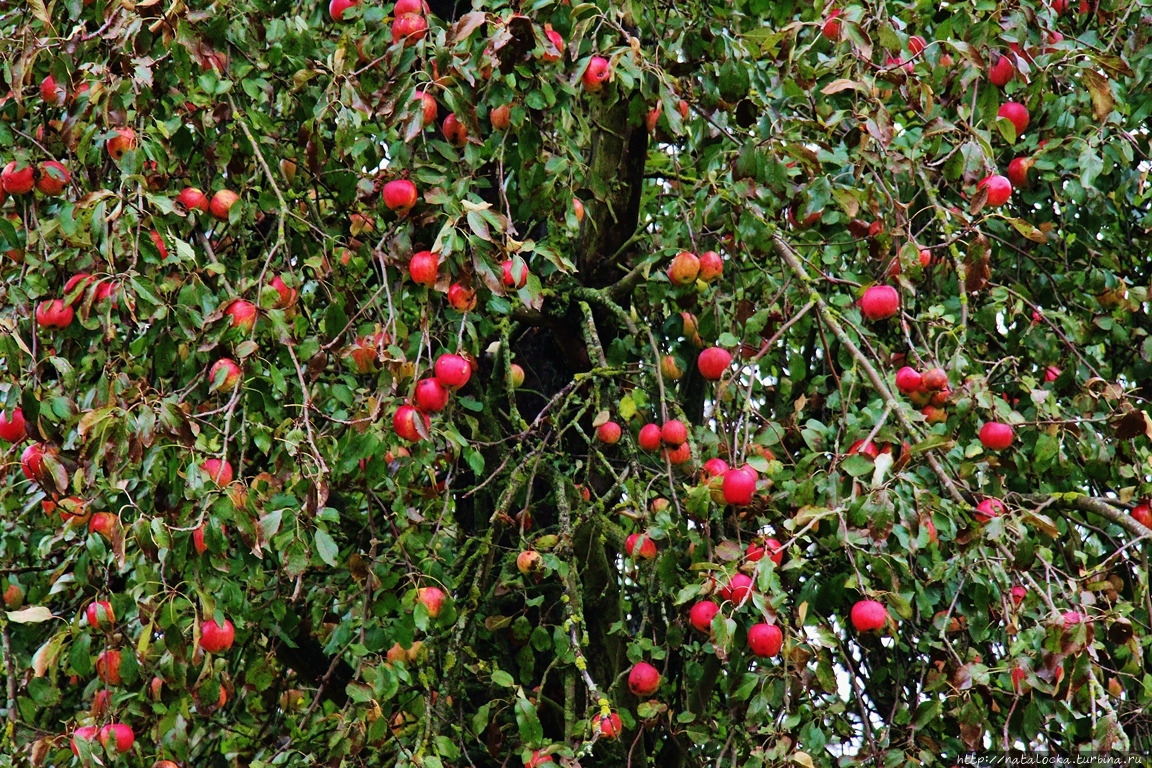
[(1142, 513), (242, 314), (224, 375), (643, 679), (461, 298), (1018, 171), (650, 438), (219, 471), (285, 296), (765, 640), (713, 362), (432, 598), (868, 615), (193, 199), (681, 454), (428, 107), (738, 589), (674, 432), (528, 562), (53, 178), (424, 268), (221, 203), (713, 468), (999, 189), (54, 313), (711, 266), (771, 547), (13, 429), (108, 667), (409, 28), (454, 130), (684, 269), (935, 379), (640, 546), (120, 735), (452, 371), (908, 380), (120, 142), (831, 28), (609, 433), (336, 8), (431, 396), (880, 302), (405, 422), (17, 180), (1001, 72), (1015, 113), (515, 273), (739, 486), (501, 117), (217, 638), (916, 45), (1018, 594), (701, 615), (996, 436), (400, 195), (99, 614), (609, 725), (517, 375), (596, 74), (988, 509)]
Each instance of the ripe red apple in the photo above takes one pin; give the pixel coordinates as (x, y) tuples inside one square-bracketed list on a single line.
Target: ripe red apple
[(431, 396), (556, 41), (713, 468), (880, 302), (517, 376), (739, 486), (528, 562), (32, 460), (54, 313), (221, 203), (711, 266), (596, 74), (1072, 618), (198, 542), (1002, 71), (674, 432), (400, 195), (99, 614), (54, 178), (193, 199), (999, 189), (224, 375), (671, 368), (53, 93), (158, 241), (1018, 171), (868, 615), (649, 438), (609, 726), (1051, 373), (908, 380), (217, 470), (336, 8), (765, 640), (538, 760), (216, 638), (17, 180), (428, 107), (432, 599), (87, 733), (738, 589), (424, 267), (455, 131), (869, 448), (106, 289), (713, 362), (831, 28), (405, 423), (501, 117), (640, 547), (996, 436), (121, 141), (1015, 113), (108, 667), (988, 509), (681, 454), (515, 273), (1019, 676), (409, 6), (461, 298), (609, 433), (684, 269), (452, 371), (935, 379), (285, 296), (1018, 594), (1142, 513), (242, 314), (771, 547), (409, 27), (702, 614), (120, 735), (13, 429), (643, 679), (916, 45)]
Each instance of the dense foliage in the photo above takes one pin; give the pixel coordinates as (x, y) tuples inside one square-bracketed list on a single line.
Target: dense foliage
[(245, 523)]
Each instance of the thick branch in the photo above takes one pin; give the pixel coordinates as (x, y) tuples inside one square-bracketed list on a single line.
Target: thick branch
[(1097, 506)]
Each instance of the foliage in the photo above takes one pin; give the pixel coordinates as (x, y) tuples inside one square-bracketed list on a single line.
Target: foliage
[(809, 146)]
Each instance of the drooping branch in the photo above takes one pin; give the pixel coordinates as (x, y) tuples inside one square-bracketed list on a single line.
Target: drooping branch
[(1066, 502)]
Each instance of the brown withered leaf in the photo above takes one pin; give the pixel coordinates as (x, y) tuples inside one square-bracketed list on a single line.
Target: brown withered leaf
[(978, 265), (1133, 424)]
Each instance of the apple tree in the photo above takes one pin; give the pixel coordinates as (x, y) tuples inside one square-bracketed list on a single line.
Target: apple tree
[(669, 383)]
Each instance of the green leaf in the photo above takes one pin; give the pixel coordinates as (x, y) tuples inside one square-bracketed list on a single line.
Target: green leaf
[(326, 548)]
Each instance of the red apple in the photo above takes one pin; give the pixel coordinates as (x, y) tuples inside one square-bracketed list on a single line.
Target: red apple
[(221, 203), (1015, 113), (400, 195), (198, 542), (773, 548), (643, 679), (517, 374), (409, 27), (765, 639), (217, 470), (13, 429), (739, 486), (501, 117), (242, 314), (193, 199), (609, 433), (1001, 71), (406, 423), (999, 189), (880, 302), (674, 432), (738, 589), (285, 296), (713, 468), (609, 726), (432, 598), (554, 40), (681, 454), (216, 638), (17, 180), (711, 266), (461, 298), (1018, 172), (702, 614), (868, 615), (831, 28), (54, 94), (88, 733), (455, 131), (431, 396), (121, 141), (1018, 594), (649, 438), (224, 375), (32, 460), (1051, 373), (108, 667), (869, 448), (99, 614), (1142, 513), (424, 268), (409, 6), (713, 362), (596, 74), (53, 179), (158, 241), (640, 547), (528, 562), (935, 379), (452, 371), (908, 380), (515, 273), (54, 313), (916, 45), (996, 436), (336, 8), (684, 269), (988, 509)]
